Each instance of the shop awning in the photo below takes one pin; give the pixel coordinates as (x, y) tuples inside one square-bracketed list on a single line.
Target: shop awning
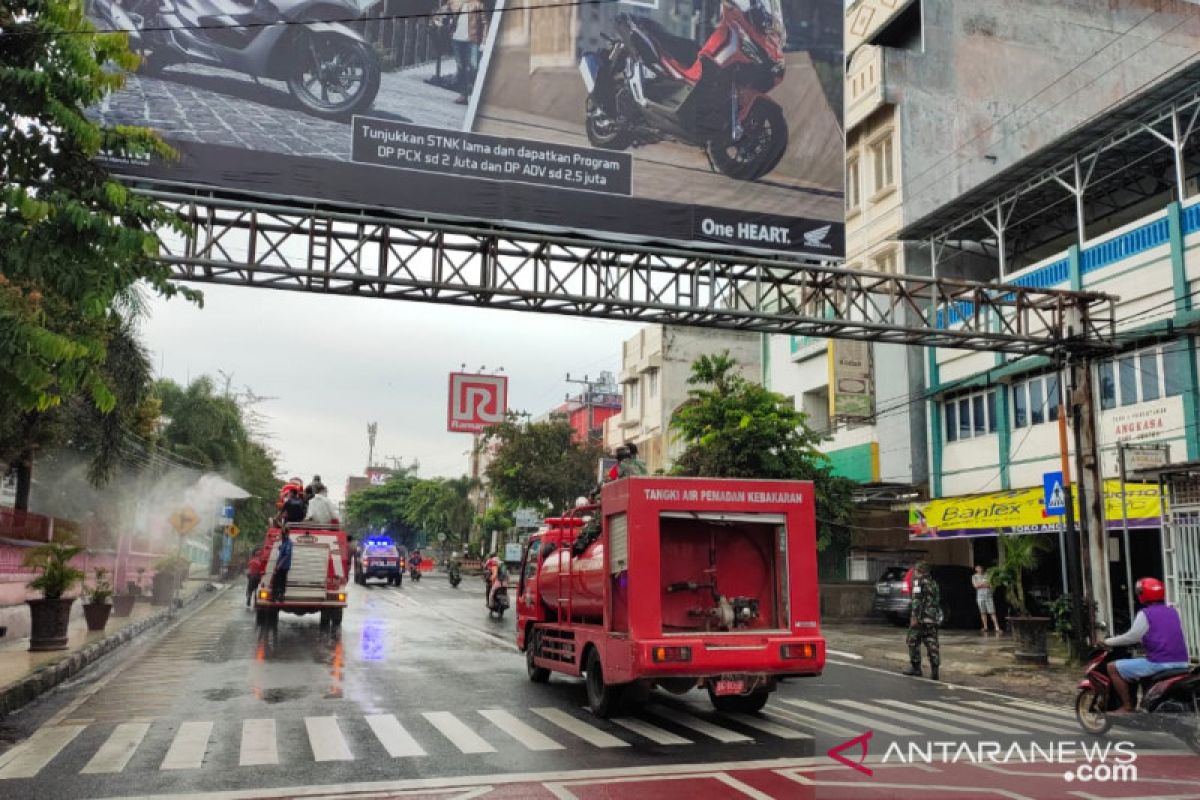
[(1023, 511)]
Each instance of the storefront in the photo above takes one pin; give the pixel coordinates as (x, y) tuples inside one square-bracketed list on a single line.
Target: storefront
[(983, 518)]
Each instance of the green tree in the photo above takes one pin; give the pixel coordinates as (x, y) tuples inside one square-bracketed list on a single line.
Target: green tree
[(1018, 555), (73, 241), (539, 465), (734, 428), (385, 507), (208, 431)]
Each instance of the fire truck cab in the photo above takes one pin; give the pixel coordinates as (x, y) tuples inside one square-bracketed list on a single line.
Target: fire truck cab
[(316, 582), (691, 583)]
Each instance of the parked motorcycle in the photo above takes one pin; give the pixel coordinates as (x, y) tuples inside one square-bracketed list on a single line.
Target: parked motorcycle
[(455, 574), (1167, 702), (499, 602), (650, 85), (329, 68)]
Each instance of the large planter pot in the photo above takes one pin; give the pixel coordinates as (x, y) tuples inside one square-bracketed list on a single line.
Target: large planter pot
[(49, 620), (123, 604), (1030, 634), (96, 615), (164, 588)]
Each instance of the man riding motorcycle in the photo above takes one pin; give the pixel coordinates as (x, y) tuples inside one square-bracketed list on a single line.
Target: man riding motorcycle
[(1158, 628), (491, 575)]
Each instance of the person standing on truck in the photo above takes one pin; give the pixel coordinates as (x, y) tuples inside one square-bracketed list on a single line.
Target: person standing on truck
[(254, 573), (320, 508), (923, 622), (631, 465), (283, 563)]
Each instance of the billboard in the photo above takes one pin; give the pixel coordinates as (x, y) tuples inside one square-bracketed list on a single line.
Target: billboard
[(476, 401), (851, 383), (1023, 511), (713, 122)]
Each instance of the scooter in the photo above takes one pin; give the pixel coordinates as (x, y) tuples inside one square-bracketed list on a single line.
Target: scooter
[(329, 68), (499, 603), (649, 85), (414, 572), (1167, 702), (455, 574)]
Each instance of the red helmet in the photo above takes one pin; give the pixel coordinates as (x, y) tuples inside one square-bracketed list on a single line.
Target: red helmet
[(1150, 590)]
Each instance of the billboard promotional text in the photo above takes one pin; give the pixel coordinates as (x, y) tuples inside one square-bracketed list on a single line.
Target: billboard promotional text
[(476, 401), (700, 122)]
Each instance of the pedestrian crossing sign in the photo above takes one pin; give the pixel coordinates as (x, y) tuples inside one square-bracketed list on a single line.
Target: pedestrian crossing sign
[(1055, 499)]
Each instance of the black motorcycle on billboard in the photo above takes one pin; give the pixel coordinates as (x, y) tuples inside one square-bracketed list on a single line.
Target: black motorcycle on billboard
[(649, 85), (329, 68)]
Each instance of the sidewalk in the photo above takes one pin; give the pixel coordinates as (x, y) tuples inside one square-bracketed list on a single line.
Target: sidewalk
[(968, 659), (25, 675)]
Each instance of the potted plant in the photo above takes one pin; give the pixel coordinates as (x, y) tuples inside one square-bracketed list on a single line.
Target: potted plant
[(51, 615), (1018, 553), (168, 573), (96, 612)]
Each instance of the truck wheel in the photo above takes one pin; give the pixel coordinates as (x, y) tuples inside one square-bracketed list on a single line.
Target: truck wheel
[(739, 703), (603, 698), (536, 674)]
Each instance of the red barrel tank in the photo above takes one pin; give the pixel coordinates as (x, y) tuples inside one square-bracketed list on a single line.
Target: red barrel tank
[(585, 581)]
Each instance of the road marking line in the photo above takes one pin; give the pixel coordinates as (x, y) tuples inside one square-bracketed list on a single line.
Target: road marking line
[(1005, 709), (532, 738), (462, 737), (27, 759), (908, 716), (189, 746), (1042, 708), (775, 712), (705, 727), (326, 739), (768, 727), (258, 743), (843, 654), (590, 734), (391, 734), (114, 754), (987, 719), (651, 732), (846, 716)]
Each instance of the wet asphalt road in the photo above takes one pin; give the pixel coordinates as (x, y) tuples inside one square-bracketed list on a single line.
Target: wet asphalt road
[(421, 684)]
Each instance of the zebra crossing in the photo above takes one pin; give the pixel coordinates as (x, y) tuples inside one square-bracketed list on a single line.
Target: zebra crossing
[(259, 742)]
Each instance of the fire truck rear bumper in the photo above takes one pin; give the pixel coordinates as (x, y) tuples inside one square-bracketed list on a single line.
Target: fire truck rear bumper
[(705, 657)]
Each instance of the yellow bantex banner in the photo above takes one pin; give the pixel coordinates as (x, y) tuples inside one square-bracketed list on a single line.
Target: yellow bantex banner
[(1023, 511)]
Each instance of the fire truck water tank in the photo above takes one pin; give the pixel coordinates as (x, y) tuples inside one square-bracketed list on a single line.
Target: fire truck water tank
[(584, 585)]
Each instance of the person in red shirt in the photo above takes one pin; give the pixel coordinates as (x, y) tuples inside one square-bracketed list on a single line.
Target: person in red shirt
[(254, 572)]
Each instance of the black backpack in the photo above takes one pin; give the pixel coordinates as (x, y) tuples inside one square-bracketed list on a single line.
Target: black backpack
[(294, 508)]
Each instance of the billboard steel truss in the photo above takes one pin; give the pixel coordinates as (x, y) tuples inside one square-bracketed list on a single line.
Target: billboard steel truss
[(317, 250)]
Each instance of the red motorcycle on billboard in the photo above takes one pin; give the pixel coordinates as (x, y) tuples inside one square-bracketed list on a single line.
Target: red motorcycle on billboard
[(650, 85), (328, 67)]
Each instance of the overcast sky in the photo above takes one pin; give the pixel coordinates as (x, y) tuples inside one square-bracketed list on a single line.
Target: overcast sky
[(333, 364)]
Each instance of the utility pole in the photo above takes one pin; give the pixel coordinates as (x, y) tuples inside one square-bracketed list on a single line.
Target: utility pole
[(1081, 628), (372, 429), (1091, 493), (589, 399)]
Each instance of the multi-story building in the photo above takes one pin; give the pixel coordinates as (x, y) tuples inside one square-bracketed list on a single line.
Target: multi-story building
[(588, 411), (655, 366), (1050, 145)]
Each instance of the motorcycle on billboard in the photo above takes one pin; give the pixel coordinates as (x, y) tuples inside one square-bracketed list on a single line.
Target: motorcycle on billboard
[(329, 68), (649, 85)]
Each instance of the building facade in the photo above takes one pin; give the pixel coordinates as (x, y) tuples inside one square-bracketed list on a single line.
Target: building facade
[(655, 366), (1053, 146)]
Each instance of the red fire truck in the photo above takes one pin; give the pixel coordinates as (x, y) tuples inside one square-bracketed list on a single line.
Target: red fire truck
[(690, 583), (316, 583)]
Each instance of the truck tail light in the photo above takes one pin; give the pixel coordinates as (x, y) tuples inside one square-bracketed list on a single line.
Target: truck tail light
[(339, 596), (666, 654), (263, 594), (806, 651)]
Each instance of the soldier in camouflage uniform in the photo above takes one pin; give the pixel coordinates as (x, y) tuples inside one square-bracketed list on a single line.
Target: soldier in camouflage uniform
[(923, 621)]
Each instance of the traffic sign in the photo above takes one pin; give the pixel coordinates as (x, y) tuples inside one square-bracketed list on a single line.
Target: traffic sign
[(1054, 496), (184, 520)]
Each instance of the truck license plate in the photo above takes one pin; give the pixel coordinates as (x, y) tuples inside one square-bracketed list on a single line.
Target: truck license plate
[(727, 686)]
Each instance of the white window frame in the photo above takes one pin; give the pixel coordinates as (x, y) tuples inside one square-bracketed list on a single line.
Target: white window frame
[(1175, 348), (1049, 412), (853, 185), (877, 144), (651, 384), (990, 425), (633, 395)]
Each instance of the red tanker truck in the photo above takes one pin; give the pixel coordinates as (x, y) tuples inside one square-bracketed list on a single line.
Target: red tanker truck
[(691, 583)]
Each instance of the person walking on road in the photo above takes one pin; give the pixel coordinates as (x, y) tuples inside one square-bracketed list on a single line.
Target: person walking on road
[(923, 621), (984, 599), (283, 563)]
